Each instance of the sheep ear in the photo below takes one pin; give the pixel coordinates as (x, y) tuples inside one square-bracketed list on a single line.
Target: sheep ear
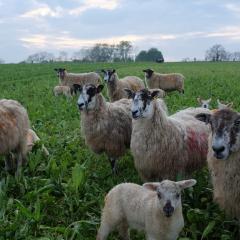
[(199, 100), (186, 183), (103, 71), (154, 94), (56, 69), (129, 92), (77, 87), (151, 186), (114, 70), (209, 100), (229, 105), (204, 117), (99, 88)]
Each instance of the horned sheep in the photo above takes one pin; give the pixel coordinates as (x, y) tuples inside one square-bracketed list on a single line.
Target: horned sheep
[(167, 82), (224, 158), (106, 126), (14, 125), (68, 79), (164, 146), (155, 208), (116, 86)]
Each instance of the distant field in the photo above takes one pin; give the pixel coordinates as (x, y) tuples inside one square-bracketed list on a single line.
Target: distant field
[(61, 197)]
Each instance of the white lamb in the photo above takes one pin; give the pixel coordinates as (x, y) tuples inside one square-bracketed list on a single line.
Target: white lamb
[(65, 90), (155, 208)]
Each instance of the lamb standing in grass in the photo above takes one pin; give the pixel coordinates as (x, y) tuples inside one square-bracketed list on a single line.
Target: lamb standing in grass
[(65, 90), (164, 146), (116, 86), (167, 82), (106, 126), (224, 158), (14, 125), (68, 79), (155, 208)]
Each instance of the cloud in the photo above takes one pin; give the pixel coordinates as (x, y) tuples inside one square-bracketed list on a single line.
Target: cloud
[(233, 7), (43, 11), (230, 32), (90, 4)]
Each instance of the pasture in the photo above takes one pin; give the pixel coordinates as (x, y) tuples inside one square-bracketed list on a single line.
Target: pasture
[(60, 197)]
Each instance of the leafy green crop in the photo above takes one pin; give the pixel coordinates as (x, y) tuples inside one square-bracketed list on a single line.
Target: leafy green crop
[(61, 196)]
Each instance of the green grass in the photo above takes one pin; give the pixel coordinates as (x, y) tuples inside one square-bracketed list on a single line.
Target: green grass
[(60, 197)]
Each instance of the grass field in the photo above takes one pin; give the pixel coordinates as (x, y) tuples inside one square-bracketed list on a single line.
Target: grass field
[(60, 197)]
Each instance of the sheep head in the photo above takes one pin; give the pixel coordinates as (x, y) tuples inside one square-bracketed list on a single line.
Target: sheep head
[(225, 125), (109, 75), (148, 72), (169, 193), (204, 103), (87, 97), (60, 73), (142, 104)]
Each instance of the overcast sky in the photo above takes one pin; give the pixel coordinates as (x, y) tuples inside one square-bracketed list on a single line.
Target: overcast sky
[(179, 28)]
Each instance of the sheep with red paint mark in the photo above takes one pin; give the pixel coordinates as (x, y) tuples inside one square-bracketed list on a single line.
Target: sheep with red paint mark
[(14, 126), (164, 146)]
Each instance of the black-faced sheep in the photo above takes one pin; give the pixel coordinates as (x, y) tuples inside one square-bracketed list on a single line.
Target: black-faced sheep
[(14, 125), (116, 86), (106, 126), (155, 208), (224, 158), (167, 82), (164, 146)]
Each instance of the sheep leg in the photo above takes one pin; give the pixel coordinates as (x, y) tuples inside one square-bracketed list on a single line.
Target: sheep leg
[(113, 164), (123, 231), (103, 231), (10, 162)]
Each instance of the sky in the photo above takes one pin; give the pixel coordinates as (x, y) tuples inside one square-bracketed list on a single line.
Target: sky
[(179, 28)]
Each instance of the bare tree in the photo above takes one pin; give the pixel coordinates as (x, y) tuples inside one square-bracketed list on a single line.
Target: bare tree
[(40, 57), (216, 53), (63, 56), (124, 50)]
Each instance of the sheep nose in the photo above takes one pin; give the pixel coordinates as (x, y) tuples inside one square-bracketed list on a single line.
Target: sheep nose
[(80, 105), (134, 113), (218, 149), (168, 209)]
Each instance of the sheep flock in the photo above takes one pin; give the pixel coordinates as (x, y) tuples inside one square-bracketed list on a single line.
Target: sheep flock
[(167, 149)]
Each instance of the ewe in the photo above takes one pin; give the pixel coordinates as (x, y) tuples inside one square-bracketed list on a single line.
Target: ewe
[(167, 82), (106, 126), (164, 146), (224, 158), (116, 86), (155, 208)]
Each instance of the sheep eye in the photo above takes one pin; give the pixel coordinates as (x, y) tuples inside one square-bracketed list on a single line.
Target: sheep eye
[(159, 195), (237, 123), (177, 195)]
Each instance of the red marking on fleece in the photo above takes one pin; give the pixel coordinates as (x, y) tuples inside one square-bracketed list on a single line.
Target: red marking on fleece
[(197, 142)]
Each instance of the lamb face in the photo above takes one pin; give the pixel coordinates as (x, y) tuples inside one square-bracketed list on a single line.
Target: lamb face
[(142, 104), (87, 97), (204, 103), (60, 73), (109, 75), (169, 194), (224, 105), (225, 125)]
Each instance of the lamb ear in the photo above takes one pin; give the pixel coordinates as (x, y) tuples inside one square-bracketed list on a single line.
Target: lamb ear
[(209, 100), (99, 88), (229, 105), (103, 71), (204, 117), (199, 100), (151, 186), (129, 92), (56, 69), (114, 70), (186, 183), (77, 87)]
